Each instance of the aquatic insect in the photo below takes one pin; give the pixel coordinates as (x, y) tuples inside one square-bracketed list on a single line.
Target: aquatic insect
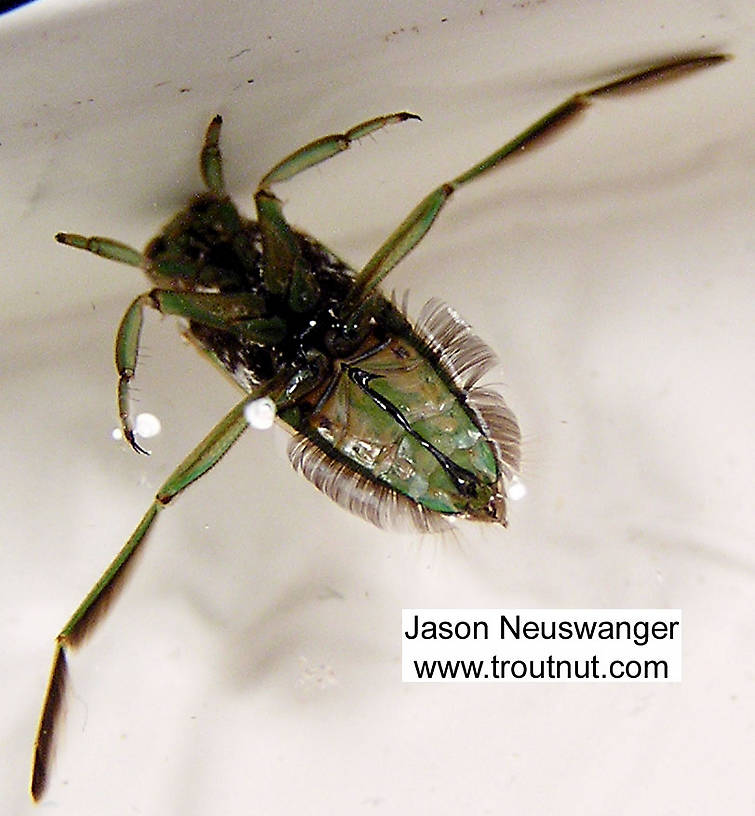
[(387, 416)]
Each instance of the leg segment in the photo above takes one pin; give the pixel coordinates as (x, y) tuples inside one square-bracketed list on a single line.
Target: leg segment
[(238, 313), (92, 608), (126, 353), (104, 247), (414, 227), (210, 159), (127, 341), (285, 272), (322, 149)]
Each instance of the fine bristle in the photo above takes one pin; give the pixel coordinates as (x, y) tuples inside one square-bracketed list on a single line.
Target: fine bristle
[(457, 348), (466, 358), (500, 425), (363, 496)]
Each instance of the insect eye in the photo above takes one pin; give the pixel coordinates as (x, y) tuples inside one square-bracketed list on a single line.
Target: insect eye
[(156, 247), (212, 214)]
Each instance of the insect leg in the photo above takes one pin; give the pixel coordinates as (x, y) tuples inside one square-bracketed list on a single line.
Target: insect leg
[(127, 341), (238, 313), (105, 247), (327, 146), (93, 607), (126, 353), (210, 158), (284, 270), (414, 227)]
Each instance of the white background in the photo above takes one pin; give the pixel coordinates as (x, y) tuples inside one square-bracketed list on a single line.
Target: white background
[(253, 664)]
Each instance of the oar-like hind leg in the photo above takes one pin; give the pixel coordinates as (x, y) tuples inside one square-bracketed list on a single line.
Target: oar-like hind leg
[(205, 456), (416, 225)]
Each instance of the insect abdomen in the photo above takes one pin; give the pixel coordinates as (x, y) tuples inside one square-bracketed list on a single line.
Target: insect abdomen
[(399, 426)]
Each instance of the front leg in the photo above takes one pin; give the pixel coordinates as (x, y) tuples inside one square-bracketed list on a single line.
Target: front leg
[(242, 314)]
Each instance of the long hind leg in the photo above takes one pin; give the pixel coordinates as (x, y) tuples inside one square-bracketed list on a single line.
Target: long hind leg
[(93, 607), (414, 227)]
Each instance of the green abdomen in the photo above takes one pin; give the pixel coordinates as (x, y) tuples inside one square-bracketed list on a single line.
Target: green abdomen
[(392, 414)]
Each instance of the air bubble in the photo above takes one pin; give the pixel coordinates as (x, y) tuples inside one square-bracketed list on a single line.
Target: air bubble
[(145, 425), (260, 413), (517, 489)]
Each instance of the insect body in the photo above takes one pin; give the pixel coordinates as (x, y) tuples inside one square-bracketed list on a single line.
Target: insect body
[(386, 415), (384, 419)]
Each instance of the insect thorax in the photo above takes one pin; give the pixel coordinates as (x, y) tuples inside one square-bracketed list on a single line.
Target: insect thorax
[(210, 248)]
